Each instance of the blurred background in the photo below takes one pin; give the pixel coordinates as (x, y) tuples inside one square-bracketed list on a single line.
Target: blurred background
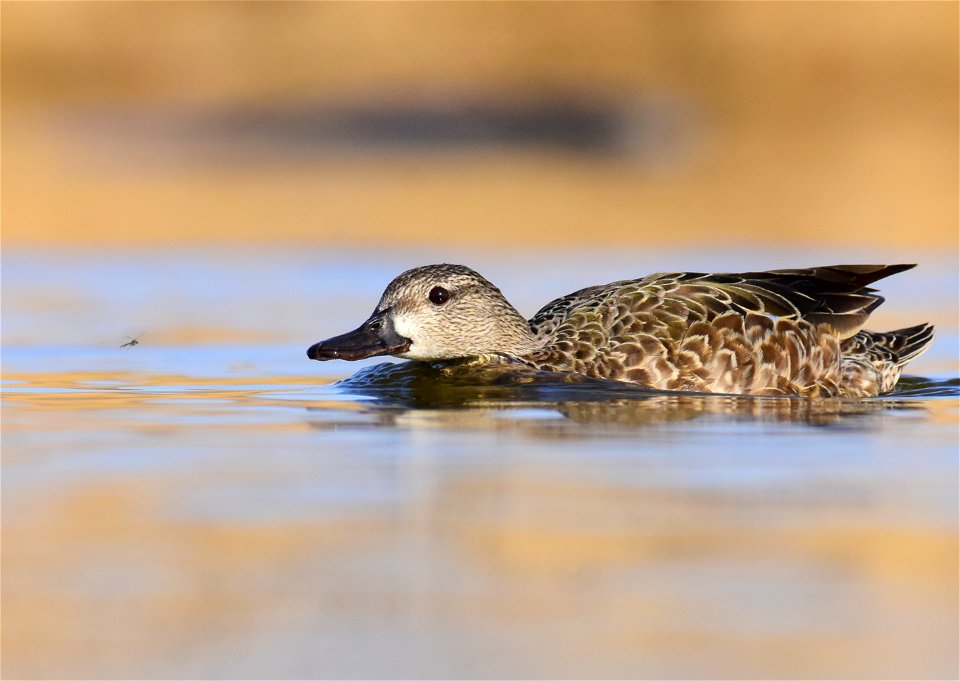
[(724, 125)]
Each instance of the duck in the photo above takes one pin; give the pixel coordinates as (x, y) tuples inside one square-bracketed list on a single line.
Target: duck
[(778, 332)]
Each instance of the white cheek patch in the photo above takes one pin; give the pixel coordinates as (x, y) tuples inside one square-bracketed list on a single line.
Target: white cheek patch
[(406, 326)]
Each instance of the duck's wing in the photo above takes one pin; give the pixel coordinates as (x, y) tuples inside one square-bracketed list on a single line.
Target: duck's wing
[(836, 295)]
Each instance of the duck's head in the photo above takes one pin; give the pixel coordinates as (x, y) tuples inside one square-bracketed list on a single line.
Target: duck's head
[(435, 312)]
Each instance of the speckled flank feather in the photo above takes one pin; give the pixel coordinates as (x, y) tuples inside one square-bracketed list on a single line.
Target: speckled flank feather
[(783, 332), (788, 332)]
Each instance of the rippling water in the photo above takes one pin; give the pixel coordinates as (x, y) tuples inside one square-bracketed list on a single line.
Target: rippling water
[(209, 503)]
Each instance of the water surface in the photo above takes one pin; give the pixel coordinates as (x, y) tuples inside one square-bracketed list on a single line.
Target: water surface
[(209, 503)]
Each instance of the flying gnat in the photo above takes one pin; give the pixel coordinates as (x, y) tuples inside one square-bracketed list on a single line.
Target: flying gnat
[(133, 341)]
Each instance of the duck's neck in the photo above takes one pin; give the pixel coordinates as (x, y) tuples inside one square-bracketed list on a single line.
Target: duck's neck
[(513, 333)]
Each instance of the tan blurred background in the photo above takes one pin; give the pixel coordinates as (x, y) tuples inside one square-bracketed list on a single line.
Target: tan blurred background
[(733, 124)]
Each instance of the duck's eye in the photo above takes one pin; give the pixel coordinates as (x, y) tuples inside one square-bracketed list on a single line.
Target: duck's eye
[(439, 295)]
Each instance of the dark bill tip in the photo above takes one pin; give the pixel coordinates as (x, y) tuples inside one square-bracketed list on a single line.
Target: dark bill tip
[(319, 352)]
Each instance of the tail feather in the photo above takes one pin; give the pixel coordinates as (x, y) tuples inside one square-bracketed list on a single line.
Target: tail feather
[(873, 360), (915, 341), (890, 347)]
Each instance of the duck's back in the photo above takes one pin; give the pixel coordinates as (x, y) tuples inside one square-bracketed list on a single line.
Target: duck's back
[(777, 332)]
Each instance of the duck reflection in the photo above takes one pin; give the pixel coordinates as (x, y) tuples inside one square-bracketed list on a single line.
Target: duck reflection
[(464, 395)]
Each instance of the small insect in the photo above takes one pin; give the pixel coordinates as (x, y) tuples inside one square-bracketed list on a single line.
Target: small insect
[(133, 341)]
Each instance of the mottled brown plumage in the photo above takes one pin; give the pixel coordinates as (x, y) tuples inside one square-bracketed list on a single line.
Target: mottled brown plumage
[(784, 332)]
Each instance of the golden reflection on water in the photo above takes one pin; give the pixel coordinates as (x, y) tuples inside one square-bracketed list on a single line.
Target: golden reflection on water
[(297, 532)]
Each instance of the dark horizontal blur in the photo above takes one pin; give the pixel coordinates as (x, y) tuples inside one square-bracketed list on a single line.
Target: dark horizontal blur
[(565, 125)]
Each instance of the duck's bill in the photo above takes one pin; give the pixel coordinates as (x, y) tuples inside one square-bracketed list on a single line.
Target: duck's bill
[(360, 344)]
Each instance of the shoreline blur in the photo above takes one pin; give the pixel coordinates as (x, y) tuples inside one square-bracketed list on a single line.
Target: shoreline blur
[(514, 125)]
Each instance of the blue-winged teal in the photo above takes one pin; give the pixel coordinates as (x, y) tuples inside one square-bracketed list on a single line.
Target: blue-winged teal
[(783, 332)]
